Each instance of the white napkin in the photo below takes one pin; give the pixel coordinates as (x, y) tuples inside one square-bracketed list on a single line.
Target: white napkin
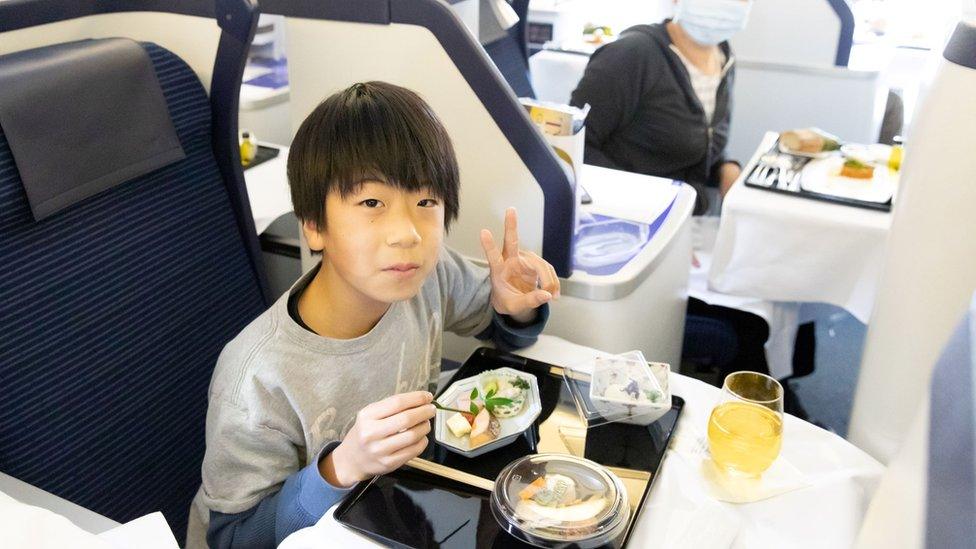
[(147, 532), (780, 478), (27, 526)]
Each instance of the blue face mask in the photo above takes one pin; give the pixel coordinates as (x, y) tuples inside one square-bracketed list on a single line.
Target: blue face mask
[(710, 22)]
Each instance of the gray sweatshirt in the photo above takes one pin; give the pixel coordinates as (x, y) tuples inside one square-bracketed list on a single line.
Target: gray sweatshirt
[(282, 396)]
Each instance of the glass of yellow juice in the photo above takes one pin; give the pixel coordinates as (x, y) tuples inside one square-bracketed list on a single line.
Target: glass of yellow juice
[(745, 430)]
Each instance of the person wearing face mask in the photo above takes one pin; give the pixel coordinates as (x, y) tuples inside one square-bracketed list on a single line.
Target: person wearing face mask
[(661, 94), (660, 98)]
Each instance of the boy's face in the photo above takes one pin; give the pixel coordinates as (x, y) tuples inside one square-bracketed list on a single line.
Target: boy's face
[(380, 242)]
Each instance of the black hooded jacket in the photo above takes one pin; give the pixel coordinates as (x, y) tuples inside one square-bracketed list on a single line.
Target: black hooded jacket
[(645, 116)]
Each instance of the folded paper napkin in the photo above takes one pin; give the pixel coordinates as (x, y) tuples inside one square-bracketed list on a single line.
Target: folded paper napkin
[(780, 478)]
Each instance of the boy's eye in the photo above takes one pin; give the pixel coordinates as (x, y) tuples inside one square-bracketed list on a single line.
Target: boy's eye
[(370, 203), (427, 203)]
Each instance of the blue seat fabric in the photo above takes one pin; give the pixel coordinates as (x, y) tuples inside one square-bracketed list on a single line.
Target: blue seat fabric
[(112, 314)]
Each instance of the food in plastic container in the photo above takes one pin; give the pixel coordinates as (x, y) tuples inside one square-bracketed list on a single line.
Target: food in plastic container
[(557, 500), (624, 389)]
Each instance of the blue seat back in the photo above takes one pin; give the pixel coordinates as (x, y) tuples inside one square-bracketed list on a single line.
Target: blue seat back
[(510, 53), (951, 490), (112, 315)]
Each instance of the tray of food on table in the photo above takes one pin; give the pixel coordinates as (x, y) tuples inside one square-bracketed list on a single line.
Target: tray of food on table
[(814, 164), (525, 453)]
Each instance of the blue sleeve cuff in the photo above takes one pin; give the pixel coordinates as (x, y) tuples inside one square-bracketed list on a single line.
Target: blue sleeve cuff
[(315, 494), (508, 335), (303, 499)]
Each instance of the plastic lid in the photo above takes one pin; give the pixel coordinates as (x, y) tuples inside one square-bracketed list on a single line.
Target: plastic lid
[(547, 499), (620, 388)]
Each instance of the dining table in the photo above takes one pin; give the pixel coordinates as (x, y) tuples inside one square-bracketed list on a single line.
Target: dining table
[(784, 248)]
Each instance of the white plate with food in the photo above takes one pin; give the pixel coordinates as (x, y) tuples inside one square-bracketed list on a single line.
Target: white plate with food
[(849, 178), (486, 411), (808, 143)]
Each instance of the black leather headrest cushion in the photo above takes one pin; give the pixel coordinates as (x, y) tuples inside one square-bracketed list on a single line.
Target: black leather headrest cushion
[(83, 117)]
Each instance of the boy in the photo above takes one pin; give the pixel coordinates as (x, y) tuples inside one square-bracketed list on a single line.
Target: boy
[(332, 384)]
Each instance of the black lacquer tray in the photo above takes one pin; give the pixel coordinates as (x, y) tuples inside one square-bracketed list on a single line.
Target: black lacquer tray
[(438, 504)]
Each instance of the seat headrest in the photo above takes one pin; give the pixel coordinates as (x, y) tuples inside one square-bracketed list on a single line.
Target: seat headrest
[(82, 117)]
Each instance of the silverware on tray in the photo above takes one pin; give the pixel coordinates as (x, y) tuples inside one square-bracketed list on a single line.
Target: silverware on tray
[(791, 179), (778, 171), (783, 172)]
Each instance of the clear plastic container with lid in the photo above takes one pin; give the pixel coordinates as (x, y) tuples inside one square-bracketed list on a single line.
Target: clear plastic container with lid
[(557, 500), (623, 388)]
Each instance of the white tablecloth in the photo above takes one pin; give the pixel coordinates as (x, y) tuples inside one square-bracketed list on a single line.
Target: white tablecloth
[(827, 513), (783, 318), (785, 248)]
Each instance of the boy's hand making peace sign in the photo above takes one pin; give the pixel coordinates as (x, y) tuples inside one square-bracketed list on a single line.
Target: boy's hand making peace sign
[(521, 281)]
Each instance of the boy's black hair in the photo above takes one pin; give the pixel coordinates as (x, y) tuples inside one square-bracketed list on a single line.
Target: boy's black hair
[(372, 131)]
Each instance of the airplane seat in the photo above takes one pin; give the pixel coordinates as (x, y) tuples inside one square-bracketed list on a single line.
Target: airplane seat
[(792, 66), (812, 33), (929, 268), (927, 496), (817, 33), (507, 57), (128, 261), (509, 53), (556, 74)]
